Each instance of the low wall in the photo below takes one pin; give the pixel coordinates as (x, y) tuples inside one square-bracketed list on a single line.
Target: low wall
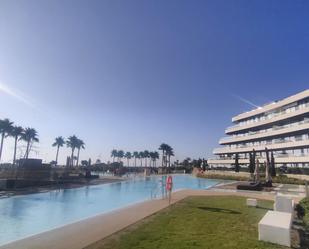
[(229, 173), (6, 184), (25, 173)]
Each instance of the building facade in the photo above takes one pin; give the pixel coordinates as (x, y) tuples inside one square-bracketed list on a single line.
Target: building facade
[(282, 127)]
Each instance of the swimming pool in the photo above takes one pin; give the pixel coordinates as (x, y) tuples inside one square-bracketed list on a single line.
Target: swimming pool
[(22, 216)]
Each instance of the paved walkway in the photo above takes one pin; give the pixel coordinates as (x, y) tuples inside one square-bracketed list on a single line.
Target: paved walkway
[(289, 190), (83, 233)]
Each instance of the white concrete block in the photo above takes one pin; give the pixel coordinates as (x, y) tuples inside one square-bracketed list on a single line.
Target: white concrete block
[(251, 202), (284, 204), (275, 227)]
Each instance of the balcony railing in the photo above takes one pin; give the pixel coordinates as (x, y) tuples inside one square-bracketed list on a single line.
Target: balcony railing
[(286, 155), (230, 139), (281, 155), (280, 141), (268, 117), (251, 147)]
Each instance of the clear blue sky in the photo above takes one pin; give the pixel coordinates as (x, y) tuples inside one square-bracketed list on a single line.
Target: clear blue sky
[(134, 74)]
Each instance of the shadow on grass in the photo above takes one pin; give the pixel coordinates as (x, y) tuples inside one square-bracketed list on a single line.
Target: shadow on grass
[(265, 208), (219, 210)]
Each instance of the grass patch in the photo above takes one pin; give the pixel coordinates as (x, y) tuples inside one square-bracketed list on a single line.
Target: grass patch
[(196, 222)]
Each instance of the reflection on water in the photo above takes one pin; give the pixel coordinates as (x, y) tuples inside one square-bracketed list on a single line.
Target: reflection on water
[(22, 216)]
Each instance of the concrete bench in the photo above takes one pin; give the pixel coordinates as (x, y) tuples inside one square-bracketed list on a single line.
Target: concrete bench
[(284, 204), (251, 202), (275, 227)]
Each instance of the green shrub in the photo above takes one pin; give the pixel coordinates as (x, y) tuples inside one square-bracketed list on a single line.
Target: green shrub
[(304, 203), (300, 210)]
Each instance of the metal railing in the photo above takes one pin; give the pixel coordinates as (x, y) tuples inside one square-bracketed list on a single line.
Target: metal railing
[(253, 146), (159, 190), (227, 139), (282, 155), (273, 115)]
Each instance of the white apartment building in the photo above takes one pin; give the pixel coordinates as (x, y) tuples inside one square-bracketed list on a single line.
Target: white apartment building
[(281, 127)]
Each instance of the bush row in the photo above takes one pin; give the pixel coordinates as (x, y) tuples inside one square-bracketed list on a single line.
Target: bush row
[(223, 177), (278, 179), (302, 209)]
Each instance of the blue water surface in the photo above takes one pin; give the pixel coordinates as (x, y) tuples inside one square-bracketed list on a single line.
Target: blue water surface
[(22, 216)]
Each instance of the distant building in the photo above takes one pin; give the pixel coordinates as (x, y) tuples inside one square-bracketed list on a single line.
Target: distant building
[(282, 127)]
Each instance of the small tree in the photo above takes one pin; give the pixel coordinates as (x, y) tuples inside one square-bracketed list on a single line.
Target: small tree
[(237, 167), (252, 163), (68, 161), (267, 156), (251, 167), (53, 163), (272, 165), (84, 163)]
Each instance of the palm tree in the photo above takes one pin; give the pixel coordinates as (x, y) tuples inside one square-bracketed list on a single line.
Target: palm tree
[(155, 157), (151, 155), (29, 135), (80, 145), (16, 133), (72, 143), (5, 129), (120, 154), (164, 147), (141, 156), (169, 152), (114, 154), (135, 155), (146, 155), (59, 142), (128, 156)]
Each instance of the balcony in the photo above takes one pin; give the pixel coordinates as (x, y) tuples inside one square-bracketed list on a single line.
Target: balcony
[(278, 160), (272, 106), (272, 146), (303, 125), (273, 119)]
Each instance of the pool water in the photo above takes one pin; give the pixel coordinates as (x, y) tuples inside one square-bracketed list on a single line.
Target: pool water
[(22, 216)]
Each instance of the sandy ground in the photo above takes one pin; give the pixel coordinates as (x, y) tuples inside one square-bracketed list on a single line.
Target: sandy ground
[(83, 233)]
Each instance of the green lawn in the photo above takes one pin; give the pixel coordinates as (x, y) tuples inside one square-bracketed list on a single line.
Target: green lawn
[(196, 222)]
